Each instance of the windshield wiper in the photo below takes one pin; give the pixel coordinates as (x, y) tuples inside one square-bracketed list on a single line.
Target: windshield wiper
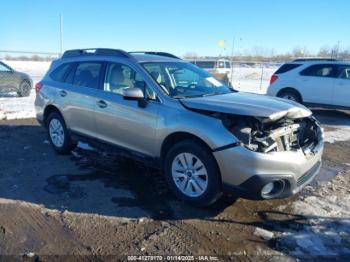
[(201, 95)]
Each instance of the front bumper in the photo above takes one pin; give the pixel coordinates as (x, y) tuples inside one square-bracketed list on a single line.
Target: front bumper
[(247, 172)]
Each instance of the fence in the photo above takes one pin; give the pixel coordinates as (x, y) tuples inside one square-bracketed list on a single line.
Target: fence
[(252, 77), (27, 55)]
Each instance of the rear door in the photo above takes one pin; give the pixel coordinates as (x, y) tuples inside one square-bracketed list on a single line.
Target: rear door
[(317, 83), (123, 122), (341, 95), (76, 97)]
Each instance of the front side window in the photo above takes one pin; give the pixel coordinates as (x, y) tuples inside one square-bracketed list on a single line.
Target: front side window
[(120, 76), (4, 68), (326, 70), (88, 74), (181, 80)]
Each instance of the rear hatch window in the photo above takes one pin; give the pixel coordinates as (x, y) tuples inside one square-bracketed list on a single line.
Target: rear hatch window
[(286, 68)]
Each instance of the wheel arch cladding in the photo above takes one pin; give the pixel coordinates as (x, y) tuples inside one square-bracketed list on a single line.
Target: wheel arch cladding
[(50, 109), (173, 138)]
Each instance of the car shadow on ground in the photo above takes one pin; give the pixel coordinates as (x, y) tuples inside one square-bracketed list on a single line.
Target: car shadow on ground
[(332, 117), (147, 186), (87, 181)]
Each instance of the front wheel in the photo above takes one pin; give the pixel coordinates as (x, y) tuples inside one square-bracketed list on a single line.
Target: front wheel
[(192, 173), (58, 134)]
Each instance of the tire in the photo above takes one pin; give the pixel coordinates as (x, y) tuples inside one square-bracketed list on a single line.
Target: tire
[(290, 95), (58, 134), (24, 89), (208, 188)]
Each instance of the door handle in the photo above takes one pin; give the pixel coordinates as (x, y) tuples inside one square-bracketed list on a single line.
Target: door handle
[(102, 104), (63, 93)]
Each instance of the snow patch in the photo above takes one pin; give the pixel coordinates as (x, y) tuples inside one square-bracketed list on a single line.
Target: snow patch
[(264, 234), (322, 223), (341, 134), (85, 146)]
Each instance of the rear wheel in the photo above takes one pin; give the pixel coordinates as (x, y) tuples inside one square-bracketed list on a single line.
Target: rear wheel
[(192, 173), (58, 134), (24, 89), (290, 95)]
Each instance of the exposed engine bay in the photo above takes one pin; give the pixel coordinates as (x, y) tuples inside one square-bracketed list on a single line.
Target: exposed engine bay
[(263, 135)]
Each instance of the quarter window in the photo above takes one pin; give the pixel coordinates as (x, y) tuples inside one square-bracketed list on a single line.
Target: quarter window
[(286, 68), (326, 70), (59, 73), (87, 74)]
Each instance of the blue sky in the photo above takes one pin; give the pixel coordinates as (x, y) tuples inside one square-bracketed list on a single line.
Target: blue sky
[(177, 26)]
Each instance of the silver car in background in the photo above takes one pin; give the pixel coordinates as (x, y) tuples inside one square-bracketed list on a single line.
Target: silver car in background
[(173, 115), (13, 81)]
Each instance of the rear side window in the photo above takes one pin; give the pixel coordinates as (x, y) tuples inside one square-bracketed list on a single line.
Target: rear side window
[(60, 72), (321, 70), (88, 74), (286, 68), (344, 71)]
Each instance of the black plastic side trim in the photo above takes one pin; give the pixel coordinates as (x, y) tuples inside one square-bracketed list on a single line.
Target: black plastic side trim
[(226, 147), (116, 149)]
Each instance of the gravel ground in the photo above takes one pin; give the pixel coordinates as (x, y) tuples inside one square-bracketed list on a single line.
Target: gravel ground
[(98, 206)]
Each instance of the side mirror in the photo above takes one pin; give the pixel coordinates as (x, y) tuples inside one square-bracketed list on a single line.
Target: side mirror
[(133, 93)]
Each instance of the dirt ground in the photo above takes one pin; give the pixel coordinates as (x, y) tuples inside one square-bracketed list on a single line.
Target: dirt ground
[(95, 206)]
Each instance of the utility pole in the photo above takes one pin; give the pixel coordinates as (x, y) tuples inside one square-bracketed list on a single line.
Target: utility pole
[(61, 34), (232, 52)]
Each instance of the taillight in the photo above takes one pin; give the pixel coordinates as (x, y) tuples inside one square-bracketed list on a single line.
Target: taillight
[(38, 86), (273, 79)]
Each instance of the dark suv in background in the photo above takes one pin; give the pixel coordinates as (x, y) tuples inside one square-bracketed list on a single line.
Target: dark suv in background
[(13, 81)]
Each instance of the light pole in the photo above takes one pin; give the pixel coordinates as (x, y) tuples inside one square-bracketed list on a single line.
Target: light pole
[(61, 34)]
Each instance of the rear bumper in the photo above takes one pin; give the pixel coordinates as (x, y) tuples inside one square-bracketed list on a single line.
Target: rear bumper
[(247, 172)]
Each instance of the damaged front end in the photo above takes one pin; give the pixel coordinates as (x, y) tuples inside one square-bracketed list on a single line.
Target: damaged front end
[(266, 135)]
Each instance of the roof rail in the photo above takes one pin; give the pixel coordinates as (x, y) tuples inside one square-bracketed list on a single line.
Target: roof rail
[(96, 51), (314, 59), (155, 53)]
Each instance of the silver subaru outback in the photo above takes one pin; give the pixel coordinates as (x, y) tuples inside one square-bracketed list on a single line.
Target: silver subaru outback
[(167, 112)]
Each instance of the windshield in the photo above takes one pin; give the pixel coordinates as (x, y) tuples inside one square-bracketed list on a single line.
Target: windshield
[(182, 80)]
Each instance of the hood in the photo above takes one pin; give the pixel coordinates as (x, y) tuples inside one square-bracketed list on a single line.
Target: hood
[(23, 76), (248, 104)]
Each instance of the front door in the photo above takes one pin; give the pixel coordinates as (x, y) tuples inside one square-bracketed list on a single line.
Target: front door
[(341, 95), (123, 122), (317, 82)]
